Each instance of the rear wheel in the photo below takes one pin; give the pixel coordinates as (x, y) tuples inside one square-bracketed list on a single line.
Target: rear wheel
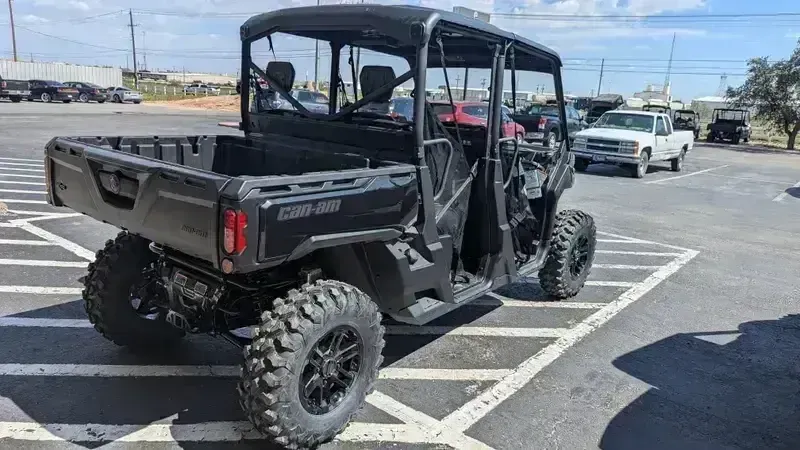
[(639, 170), (117, 296), (736, 138), (117, 99), (313, 360), (710, 137), (581, 164), (571, 254), (45, 97), (677, 163), (83, 98), (551, 140)]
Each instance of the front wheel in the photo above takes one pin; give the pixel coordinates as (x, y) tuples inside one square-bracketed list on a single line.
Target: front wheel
[(313, 360), (117, 99), (639, 170), (581, 164), (735, 140), (118, 297), (710, 137), (83, 98), (677, 163), (571, 254)]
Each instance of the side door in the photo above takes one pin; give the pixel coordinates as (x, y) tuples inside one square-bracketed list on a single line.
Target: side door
[(36, 88), (509, 126), (573, 122), (663, 140)]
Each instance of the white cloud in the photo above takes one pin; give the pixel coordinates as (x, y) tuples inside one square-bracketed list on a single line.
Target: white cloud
[(33, 19)]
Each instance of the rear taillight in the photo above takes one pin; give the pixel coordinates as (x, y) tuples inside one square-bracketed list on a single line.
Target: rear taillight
[(542, 122), (3, 85), (234, 240)]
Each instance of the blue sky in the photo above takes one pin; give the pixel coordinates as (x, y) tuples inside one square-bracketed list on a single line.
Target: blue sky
[(174, 35)]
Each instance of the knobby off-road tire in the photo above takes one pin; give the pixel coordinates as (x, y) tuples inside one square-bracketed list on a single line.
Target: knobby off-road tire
[(107, 296), (276, 365), (571, 254)]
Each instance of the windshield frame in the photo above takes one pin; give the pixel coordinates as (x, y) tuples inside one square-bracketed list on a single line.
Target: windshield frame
[(604, 118)]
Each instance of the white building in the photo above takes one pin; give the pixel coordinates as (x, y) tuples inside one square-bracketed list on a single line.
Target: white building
[(710, 102)]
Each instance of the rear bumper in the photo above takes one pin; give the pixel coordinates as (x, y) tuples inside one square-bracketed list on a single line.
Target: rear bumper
[(62, 97), (14, 93)]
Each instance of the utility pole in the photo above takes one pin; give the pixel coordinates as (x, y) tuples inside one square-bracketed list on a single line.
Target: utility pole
[(133, 45), (144, 50), (13, 34), (316, 63), (602, 67)]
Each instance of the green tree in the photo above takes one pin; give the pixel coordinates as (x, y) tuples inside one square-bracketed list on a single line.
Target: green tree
[(771, 90)]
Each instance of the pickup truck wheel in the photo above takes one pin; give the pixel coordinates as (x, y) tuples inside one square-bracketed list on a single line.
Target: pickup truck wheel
[(581, 164), (639, 170), (551, 140), (677, 163), (113, 291), (571, 254), (16, 99), (313, 360)]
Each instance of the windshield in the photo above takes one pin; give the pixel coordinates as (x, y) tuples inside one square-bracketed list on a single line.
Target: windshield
[(544, 110), (622, 121), (54, 84), (479, 111), (599, 110)]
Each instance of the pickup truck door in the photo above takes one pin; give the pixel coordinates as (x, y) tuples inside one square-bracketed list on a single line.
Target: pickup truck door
[(663, 140)]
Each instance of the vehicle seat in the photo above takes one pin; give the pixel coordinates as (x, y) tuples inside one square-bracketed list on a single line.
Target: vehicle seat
[(283, 73), (371, 79)]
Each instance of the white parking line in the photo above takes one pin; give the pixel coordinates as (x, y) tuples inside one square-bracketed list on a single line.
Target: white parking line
[(120, 371), (783, 195), (40, 290), (17, 169), (4, 163), (21, 191), (60, 241), (499, 300), (624, 267), (476, 331), (41, 263), (40, 161), (687, 175), (25, 202), (611, 283), (620, 252), (477, 408), (32, 322), (26, 183), (24, 242), (40, 177)]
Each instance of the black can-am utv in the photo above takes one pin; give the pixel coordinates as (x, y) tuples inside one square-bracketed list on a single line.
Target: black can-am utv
[(687, 119), (311, 225), (729, 125)]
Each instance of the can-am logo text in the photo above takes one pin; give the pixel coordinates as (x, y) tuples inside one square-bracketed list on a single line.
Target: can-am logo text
[(309, 209)]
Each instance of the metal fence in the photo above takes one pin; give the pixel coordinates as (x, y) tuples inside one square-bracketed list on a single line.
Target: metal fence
[(103, 76)]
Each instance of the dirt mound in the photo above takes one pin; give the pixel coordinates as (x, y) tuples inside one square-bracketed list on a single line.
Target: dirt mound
[(216, 103)]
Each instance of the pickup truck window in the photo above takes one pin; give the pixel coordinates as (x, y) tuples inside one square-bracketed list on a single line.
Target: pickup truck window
[(661, 127), (669, 126), (542, 110), (622, 121)]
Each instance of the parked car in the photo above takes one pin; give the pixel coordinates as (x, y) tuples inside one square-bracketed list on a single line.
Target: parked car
[(729, 125), (14, 90), (686, 119), (542, 124), (474, 113), (632, 139), (311, 100), (121, 94), (199, 88), (48, 91), (88, 92), (402, 107)]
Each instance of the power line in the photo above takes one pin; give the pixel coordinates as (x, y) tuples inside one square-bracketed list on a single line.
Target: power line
[(61, 38)]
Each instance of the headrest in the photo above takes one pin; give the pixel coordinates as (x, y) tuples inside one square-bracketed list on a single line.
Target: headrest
[(282, 72), (373, 78)]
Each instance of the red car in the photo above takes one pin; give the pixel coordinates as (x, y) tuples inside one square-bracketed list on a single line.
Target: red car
[(475, 113)]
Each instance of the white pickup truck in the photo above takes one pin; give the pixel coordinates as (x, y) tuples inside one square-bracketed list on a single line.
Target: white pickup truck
[(632, 139)]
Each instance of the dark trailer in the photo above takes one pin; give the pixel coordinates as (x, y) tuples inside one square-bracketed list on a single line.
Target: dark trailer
[(310, 226)]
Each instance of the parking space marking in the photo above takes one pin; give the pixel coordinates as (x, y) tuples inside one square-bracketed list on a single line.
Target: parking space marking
[(39, 290), (477, 408), (783, 194), (610, 283), (621, 252), (58, 240), (122, 371), (16, 175), (413, 330), (41, 263), (4, 163), (499, 300), (757, 180), (24, 202), (687, 175), (40, 161), (31, 322), (22, 191), (26, 183), (24, 242), (17, 169), (624, 267)]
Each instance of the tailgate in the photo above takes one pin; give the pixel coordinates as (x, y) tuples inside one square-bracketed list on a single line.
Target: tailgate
[(171, 204), (528, 121)]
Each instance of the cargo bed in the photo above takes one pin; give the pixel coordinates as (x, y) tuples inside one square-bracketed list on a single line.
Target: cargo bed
[(169, 189)]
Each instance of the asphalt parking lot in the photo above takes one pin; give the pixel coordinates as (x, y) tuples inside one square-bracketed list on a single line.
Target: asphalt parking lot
[(687, 335)]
